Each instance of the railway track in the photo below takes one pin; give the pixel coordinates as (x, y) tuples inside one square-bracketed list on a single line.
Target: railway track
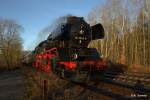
[(106, 92), (130, 78)]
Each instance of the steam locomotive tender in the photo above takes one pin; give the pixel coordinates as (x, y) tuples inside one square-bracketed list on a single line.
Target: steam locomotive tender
[(65, 52)]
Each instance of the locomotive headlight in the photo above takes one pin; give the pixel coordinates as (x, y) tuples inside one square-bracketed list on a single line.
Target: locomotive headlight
[(74, 56), (101, 56)]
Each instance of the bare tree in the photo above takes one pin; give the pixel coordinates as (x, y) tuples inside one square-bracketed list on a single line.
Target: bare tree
[(10, 42)]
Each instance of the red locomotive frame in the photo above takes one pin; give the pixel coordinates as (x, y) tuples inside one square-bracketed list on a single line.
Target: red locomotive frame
[(44, 61)]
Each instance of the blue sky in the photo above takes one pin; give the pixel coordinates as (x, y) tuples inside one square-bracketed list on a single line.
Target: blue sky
[(34, 15)]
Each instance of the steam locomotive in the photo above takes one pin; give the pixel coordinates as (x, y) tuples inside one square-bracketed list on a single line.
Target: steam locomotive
[(65, 52)]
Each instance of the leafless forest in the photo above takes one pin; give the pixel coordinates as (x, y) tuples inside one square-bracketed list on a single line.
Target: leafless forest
[(127, 29)]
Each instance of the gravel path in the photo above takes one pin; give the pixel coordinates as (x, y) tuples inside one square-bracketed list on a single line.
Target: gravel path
[(11, 85)]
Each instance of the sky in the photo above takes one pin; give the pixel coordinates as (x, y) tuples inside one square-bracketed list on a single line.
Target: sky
[(35, 15)]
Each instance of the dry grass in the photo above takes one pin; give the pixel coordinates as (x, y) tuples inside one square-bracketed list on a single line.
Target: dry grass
[(31, 89), (59, 89)]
